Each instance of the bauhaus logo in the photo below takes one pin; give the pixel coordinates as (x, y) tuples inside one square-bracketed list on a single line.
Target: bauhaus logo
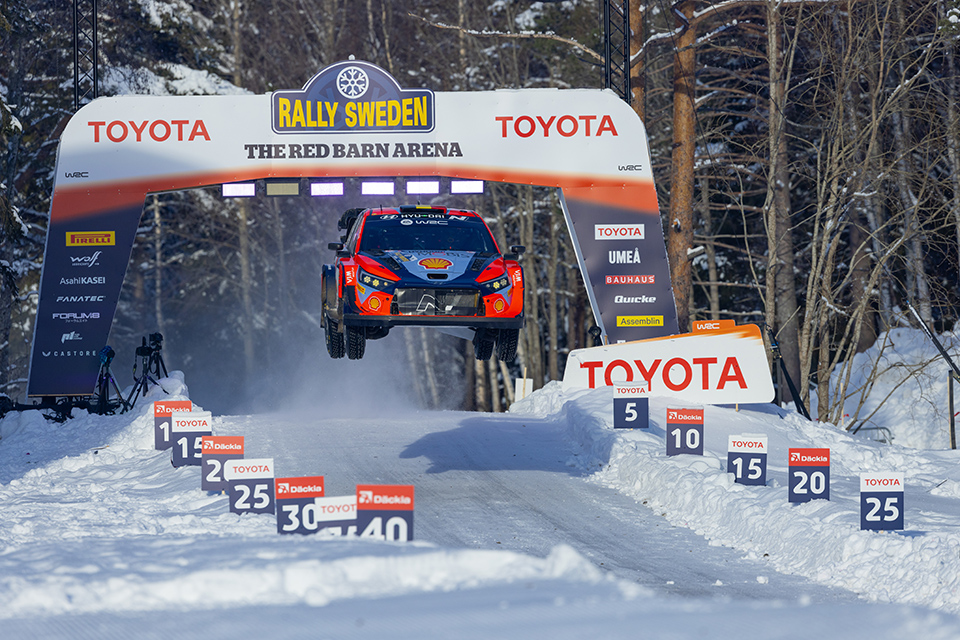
[(618, 232), (630, 279)]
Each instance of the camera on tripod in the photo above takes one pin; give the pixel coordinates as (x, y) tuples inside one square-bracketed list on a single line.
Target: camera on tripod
[(107, 354), (151, 363)]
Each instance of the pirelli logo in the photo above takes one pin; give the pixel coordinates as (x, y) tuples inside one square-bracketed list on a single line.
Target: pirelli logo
[(91, 238)]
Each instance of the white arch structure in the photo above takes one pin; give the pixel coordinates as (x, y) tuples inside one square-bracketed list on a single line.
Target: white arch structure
[(351, 119)]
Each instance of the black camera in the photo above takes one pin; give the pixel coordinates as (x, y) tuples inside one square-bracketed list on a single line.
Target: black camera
[(143, 351), (156, 340), (106, 355)]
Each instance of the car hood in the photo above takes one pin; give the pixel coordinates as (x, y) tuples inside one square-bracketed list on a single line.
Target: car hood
[(424, 264)]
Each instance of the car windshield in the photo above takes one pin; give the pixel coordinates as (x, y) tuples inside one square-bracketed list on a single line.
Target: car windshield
[(434, 233)]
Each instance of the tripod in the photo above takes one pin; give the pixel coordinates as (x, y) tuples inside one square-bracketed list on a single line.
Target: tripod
[(105, 380), (151, 363)]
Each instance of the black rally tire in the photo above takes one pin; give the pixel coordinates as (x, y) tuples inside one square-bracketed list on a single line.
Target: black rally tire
[(483, 344), (507, 343), (356, 342), (335, 342)]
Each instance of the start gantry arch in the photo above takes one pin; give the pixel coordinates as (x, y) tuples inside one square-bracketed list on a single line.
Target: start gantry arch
[(351, 119)]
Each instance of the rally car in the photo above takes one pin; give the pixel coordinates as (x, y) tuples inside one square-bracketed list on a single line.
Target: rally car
[(421, 266)]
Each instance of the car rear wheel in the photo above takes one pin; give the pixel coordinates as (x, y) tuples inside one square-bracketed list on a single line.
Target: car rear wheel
[(335, 342), (483, 343), (356, 342), (507, 344)]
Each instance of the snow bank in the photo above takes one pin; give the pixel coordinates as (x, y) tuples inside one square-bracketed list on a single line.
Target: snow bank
[(95, 520), (821, 539)]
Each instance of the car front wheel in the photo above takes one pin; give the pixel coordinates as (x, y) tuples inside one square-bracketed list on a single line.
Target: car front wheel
[(335, 341), (356, 342), (507, 342), (483, 343)]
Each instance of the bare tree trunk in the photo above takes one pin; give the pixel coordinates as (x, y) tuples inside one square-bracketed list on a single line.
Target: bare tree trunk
[(638, 36), (246, 288), (553, 365), (680, 227), (713, 288), (494, 386), (534, 349), (482, 390)]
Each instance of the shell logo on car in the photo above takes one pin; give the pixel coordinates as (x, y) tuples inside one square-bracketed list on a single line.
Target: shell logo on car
[(435, 263)]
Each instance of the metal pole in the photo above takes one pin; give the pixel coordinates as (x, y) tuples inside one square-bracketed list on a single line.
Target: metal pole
[(76, 55), (953, 418)]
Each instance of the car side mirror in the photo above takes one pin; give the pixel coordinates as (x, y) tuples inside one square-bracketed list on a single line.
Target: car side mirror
[(335, 246), (515, 252)]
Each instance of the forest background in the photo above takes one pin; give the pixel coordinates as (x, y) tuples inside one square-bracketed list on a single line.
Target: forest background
[(806, 156)]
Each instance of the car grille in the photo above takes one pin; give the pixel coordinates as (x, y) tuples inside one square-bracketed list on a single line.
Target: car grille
[(436, 302)]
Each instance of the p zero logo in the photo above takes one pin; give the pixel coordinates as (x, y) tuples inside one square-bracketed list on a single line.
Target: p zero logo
[(91, 238), (618, 232), (352, 96)]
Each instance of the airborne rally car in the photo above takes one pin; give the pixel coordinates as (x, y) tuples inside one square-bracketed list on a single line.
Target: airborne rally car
[(421, 266)]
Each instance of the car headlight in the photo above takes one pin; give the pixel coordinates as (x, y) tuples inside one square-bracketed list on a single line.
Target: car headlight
[(497, 285), (374, 282)]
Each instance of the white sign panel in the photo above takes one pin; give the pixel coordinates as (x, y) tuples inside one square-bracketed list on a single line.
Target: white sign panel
[(719, 367)]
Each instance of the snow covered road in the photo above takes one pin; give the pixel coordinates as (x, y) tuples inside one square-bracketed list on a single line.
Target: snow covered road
[(496, 481), (520, 533)]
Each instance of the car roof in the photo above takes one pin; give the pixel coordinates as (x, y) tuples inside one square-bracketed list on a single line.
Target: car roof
[(420, 209)]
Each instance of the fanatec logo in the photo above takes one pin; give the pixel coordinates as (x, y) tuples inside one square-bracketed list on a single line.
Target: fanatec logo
[(86, 261), (80, 298)]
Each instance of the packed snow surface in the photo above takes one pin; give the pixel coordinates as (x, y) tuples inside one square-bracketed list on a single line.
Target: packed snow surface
[(545, 522)]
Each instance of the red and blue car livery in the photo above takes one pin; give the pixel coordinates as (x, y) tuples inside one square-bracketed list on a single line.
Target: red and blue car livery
[(421, 266)]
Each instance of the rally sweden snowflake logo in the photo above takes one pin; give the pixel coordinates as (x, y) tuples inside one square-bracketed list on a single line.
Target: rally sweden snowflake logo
[(352, 82)]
